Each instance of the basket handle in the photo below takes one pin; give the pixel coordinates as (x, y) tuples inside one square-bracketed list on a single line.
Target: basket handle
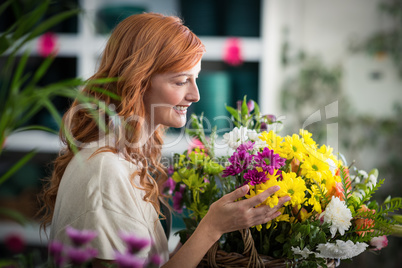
[(250, 251)]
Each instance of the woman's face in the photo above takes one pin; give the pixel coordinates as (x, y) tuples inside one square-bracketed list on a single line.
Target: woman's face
[(170, 95)]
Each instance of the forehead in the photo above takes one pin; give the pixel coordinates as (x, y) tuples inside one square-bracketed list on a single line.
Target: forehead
[(191, 72)]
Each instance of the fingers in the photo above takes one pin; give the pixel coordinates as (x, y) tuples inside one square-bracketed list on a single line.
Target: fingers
[(236, 194), (258, 199), (263, 214)]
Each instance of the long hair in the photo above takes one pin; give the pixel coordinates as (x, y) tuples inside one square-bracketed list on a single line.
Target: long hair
[(139, 47)]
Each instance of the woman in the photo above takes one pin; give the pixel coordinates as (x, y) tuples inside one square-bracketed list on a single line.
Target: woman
[(112, 184)]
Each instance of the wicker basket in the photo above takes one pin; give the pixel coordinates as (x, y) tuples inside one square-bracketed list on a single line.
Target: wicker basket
[(250, 258)]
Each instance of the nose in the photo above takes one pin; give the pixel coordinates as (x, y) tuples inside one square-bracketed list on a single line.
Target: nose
[(193, 94)]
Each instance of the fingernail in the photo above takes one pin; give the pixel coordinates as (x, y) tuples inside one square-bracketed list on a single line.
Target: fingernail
[(276, 187)]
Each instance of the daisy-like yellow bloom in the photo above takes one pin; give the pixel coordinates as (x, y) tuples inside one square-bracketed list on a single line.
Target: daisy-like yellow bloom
[(306, 139), (294, 147), (315, 167), (274, 142), (293, 186), (283, 217), (259, 188)]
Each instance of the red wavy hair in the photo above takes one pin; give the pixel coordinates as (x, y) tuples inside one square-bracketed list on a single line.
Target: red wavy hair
[(139, 47)]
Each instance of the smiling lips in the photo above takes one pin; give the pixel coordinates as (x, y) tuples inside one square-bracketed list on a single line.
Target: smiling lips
[(182, 110)]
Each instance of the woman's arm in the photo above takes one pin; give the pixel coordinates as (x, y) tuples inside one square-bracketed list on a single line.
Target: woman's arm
[(225, 215)]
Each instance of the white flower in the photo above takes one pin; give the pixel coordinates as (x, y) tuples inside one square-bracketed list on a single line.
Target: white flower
[(355, 178), (253, 135), (341, 249), (236, 137), (371, 181), (305, 252), (332, 166), (338, 216), (363, 174)]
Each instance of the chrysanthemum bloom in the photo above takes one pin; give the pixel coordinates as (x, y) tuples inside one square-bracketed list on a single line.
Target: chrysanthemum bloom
[(259, 188), (254, 177), (274, 142), (128, 260), (293, 186), (235, 137), (315, 167), (340, 249), (379, 242), (364, 224), (338, 215), (80, 237), (307, 140), (134, 244), (294, 147), (268, 160), (239, 160)]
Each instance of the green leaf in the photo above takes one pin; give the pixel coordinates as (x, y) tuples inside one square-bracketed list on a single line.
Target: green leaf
[(41, 71), (105, 92), (47, 24), (16, 81), (4, 44), (5, 5), (36, 127), (234, 113), (244, 108), (17, 166), (29, 20), (15, 215)]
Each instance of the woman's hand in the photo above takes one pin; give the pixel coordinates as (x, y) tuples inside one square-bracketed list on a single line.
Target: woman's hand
[(227, 215)]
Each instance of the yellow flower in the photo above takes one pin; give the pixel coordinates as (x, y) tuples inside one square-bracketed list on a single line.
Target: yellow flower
[(274, 142), (306, 139), (315, 167), (294, 147), (315, 198), (293, 186)]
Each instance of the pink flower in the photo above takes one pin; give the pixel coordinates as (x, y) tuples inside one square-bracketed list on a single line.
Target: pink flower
[(177, 199), (134, 244), (127, 260), (195, 143), (155, 260), (169, 185), (79, 256), (47, 44), (379, 242), (15, 243), (80, 238), (232, 54)]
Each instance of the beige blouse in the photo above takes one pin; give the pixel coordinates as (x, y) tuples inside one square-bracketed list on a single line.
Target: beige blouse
[(96, 194)]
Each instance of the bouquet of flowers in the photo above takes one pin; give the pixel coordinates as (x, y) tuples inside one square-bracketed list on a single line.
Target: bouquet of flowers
[(331, 215)]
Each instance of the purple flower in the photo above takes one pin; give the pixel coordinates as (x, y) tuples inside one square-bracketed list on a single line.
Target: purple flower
[(169, 185), (80, 238), (155, 260), (247, 146), (134, 244), (127, 260), (255, 177), (250, 105), (177, 199), (268, 160), (170, 170), (55, 248), (78, 256), (239, 162)]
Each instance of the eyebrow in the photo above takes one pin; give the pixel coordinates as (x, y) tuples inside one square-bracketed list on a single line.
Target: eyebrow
[(185, 74)]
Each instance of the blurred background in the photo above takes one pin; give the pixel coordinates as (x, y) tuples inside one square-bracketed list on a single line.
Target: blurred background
[(332, 67)]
